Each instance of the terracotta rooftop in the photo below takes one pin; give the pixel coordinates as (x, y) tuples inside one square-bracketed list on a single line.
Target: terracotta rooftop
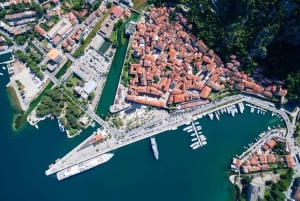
[(271, 143), (205, 92), (40, 30)]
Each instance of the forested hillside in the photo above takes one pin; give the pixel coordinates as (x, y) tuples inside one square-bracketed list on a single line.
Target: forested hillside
[(262, 33)]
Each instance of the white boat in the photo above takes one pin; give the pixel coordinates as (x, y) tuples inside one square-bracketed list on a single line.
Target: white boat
[(228, 110), (36, 126), (193, 134), (1, 74), (202, 137), (154, 147), (186, 128), (196, 123), (194, 144), (174, 128), (197, 146), (194, 139), (204, 143), (241, 107), (83, 166), (190, 130), (198, 128), (61, 127), (3, 67)]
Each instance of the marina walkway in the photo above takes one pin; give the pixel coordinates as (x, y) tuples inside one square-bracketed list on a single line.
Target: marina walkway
[(196, 132)]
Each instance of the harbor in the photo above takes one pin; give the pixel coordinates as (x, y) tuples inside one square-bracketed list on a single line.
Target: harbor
[(138, 167), (161, 125)]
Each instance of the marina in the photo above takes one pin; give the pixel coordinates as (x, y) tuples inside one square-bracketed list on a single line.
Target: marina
[(162, 125), (111, 178)]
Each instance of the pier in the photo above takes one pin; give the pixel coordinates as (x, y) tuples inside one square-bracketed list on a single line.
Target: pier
[(122, 138), (197, 134)]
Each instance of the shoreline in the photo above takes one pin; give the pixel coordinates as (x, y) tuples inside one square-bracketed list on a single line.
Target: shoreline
[(17, 98), (18, 112), (13, 99), (33, 120)]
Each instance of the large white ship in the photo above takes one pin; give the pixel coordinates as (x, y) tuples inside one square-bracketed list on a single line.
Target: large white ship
[(83, 166), (154, 147)]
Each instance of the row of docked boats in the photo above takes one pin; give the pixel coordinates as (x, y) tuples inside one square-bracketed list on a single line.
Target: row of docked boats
[(232, 110), (198, 139), (258, 109)]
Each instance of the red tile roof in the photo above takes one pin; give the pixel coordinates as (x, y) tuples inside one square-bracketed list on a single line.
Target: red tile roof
[(40, 30), (205, 92)]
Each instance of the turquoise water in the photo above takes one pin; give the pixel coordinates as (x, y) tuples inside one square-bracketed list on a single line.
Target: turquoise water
[(180, 174)]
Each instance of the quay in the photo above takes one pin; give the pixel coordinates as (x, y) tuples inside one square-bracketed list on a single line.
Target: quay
[(122, 138)]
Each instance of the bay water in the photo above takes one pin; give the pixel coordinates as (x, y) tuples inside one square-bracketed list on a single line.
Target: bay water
[(180, 174)]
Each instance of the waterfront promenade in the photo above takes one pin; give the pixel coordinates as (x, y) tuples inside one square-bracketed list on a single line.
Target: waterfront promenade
[(122, 138)]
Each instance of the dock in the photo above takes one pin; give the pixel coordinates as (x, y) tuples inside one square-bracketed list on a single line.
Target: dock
[(197, 134)]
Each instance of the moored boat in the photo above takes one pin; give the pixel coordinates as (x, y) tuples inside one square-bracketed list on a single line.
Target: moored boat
[(83, 166), (154, 147)]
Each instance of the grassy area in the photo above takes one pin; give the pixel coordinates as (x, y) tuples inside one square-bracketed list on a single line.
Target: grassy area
[(21, 118), (64, 69), (139, 4), (104, 47), (220, 95), (114, 38), (54, 20), (93, 33)]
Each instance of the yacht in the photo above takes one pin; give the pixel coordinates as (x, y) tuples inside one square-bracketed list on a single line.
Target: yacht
[(197, 146), (190, 130), (199, 128), (186, 128), (154, 147), (194, 144), (83, 166)]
